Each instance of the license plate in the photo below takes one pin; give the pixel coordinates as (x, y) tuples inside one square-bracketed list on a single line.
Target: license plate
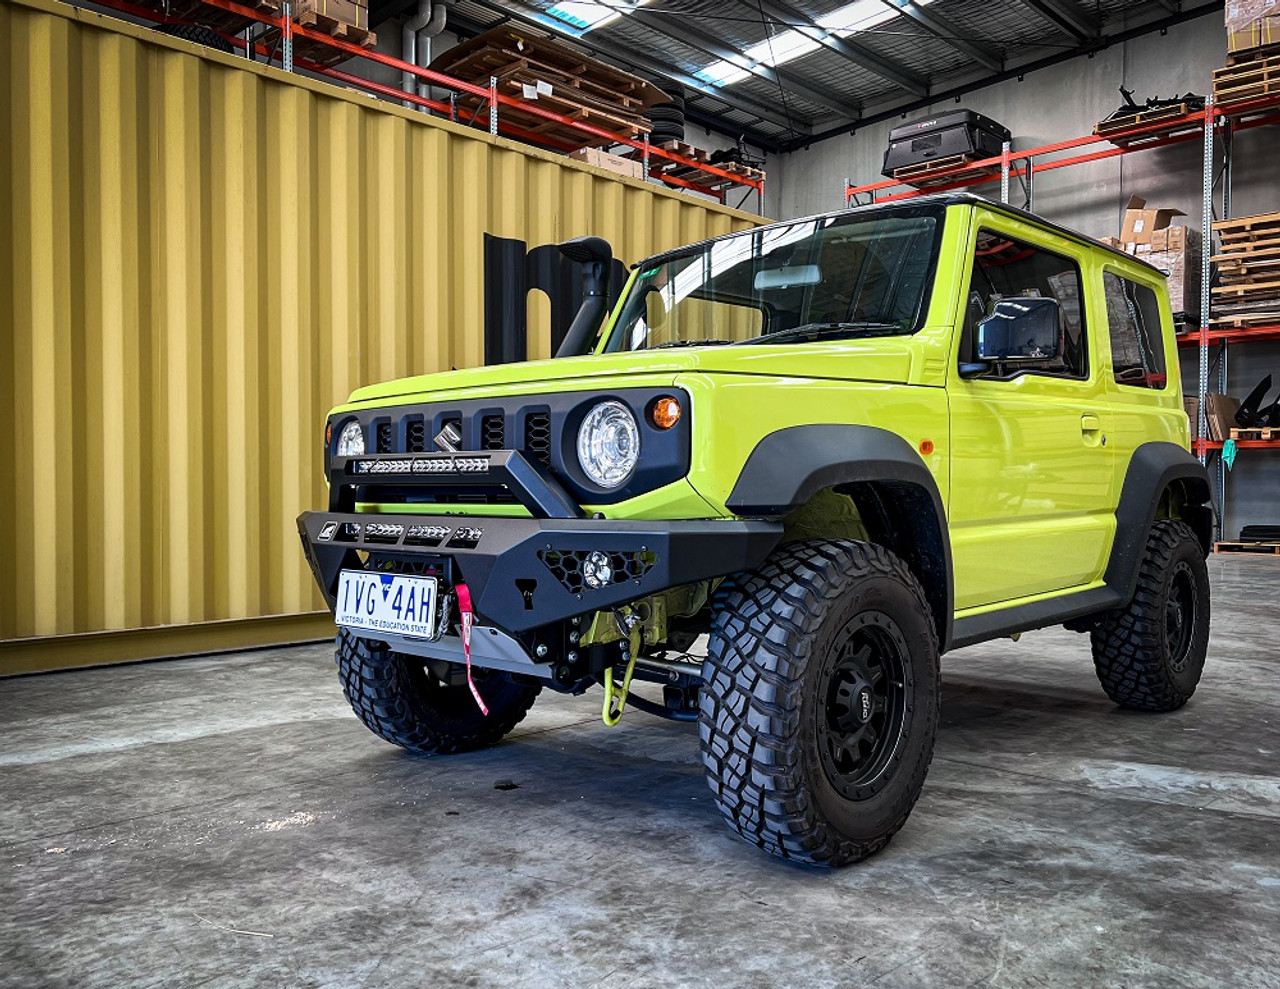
[(386, 602)]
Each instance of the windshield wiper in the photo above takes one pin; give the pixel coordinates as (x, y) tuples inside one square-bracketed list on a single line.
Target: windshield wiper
[(815, 330), (690, 343)]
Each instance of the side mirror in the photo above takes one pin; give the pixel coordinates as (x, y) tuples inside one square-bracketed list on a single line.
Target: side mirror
[(1020, 330)]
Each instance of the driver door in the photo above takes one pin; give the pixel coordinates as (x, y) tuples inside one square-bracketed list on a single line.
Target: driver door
[(1031, 495)]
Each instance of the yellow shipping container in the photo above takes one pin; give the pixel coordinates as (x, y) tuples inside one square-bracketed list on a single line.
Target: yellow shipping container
[(198, 256)]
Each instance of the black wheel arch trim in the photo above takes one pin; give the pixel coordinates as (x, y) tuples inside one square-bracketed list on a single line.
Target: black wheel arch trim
[(791, 465), (1152, 469)]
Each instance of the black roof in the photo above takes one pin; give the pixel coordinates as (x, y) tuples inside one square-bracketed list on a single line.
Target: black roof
[(913, 205)]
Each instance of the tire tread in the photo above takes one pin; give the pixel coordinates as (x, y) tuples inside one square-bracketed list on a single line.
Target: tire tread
[(762, 632)]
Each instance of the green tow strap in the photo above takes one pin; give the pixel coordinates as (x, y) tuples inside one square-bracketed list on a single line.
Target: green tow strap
[(612, 690)]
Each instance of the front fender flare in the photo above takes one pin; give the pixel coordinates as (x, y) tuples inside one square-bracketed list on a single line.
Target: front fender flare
[(790, 466)]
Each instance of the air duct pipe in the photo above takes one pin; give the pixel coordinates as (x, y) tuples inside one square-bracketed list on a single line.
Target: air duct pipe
[(426, 23)]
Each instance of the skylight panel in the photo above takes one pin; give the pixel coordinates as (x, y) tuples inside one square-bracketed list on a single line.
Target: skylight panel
[(583, 15), (851, 19)]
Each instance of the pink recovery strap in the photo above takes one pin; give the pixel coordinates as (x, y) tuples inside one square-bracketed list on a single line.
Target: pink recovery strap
[(464, 608)]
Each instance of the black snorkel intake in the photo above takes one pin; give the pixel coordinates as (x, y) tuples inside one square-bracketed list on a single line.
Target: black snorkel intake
[(596, 258)]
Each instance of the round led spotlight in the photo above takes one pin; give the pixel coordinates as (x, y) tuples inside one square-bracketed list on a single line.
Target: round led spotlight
[(609, 444), (351, 440), (597, 571)]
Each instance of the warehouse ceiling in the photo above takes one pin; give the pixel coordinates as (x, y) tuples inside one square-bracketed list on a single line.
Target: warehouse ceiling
[(788, 73)]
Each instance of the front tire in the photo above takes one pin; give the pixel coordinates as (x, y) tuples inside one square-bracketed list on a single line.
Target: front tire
[(400, 700), (1150, 654), (818, 716)]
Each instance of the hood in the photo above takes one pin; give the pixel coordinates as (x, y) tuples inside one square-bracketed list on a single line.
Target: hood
[(882, 359)]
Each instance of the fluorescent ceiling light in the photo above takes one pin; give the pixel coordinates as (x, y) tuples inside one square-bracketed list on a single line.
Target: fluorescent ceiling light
[(854, 18)]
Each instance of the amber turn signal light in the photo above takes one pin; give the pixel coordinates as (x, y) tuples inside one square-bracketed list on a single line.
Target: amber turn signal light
[(665, 412), (926, 447)]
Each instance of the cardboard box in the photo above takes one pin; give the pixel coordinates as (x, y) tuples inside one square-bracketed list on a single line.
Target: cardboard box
[(1220, 415), (1252, 24), (1191, 403), (353, 12), (1115, 242), (613, 163), (1140, 223), (1176, 252)]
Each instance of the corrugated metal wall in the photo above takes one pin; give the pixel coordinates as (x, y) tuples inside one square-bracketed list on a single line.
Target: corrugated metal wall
[(197, 258)]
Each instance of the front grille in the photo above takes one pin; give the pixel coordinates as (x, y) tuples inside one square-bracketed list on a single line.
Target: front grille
[(416, 437), (537, 437), (415, 432), (493, 433)]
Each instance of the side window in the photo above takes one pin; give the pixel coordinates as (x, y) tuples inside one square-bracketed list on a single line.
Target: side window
[(1008, 269), (1137, 346)]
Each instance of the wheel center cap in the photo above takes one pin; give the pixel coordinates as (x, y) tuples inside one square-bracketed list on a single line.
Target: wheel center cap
[(864, 705)]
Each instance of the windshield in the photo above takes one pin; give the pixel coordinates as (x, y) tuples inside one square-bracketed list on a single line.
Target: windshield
[(840, 276)]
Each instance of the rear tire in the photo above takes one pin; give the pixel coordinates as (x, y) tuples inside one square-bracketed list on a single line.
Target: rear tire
[(1150, 654), (400, 700), (821, 701)]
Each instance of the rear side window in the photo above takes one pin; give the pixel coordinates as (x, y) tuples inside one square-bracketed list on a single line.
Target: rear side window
[(1137, 345), (1005, 268)]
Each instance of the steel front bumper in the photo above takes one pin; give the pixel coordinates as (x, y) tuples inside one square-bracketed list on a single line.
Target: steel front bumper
[(524, 573)]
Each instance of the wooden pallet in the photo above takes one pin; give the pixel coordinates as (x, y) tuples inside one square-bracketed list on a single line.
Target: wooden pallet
[(1248, 272), (1254, 290), (581, 89), (335, 29), (1118, 125), (943, 171), (1243, 320), (1246, 81), (1256, 227), (1252, 54), (704, 157), (1269, 549), (207, 15), (1256, 433), (688, 173), (1248, 251), (317, 52), (1118, 130)]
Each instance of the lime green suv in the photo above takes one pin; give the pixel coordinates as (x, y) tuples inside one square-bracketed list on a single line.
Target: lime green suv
[(790, 469)]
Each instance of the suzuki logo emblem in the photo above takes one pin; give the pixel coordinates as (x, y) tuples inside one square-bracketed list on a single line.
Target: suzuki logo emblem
[(449, 439)]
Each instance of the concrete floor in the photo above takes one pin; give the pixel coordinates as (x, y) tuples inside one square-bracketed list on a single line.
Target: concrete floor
[(227, 821)]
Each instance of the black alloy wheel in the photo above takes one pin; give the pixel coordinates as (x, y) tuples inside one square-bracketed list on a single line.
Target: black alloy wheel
[(1180, 616), (867, 683)]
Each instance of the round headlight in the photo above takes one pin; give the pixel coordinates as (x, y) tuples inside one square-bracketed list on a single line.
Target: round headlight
[(351, 440), (609, 444)]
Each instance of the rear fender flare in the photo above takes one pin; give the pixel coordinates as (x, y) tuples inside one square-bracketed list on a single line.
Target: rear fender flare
[(1153, 468)]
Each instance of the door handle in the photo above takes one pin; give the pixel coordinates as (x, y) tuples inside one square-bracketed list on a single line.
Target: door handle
[(1091, 429)]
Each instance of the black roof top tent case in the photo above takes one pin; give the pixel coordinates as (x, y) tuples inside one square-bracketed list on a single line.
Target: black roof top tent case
[(943, 135)]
